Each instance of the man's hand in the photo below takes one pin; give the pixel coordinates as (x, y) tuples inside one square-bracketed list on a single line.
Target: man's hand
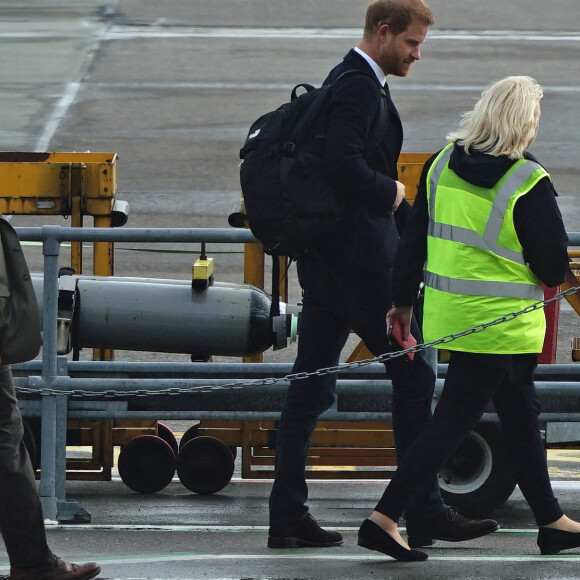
[(400, 195), (404, 314)]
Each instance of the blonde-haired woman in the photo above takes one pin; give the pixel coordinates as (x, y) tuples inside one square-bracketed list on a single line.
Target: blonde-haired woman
[(487, 228)]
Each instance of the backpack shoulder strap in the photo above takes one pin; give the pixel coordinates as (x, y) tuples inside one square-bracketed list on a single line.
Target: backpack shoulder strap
[(318, 114)]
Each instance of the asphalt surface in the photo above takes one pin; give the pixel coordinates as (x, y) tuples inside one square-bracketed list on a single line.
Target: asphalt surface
[(172, 88), (179, 534)]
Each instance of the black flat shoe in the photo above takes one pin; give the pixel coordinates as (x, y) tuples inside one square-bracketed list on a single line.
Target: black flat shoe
[(373, 537), (552, 541)]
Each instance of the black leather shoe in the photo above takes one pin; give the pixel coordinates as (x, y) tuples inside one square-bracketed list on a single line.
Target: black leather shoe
[(373, 537), (552, 541), (305, 533), (450, 526)]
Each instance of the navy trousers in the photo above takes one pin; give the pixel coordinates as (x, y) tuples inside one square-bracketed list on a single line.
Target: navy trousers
[(332, 306), (21, 520), (472, 381)]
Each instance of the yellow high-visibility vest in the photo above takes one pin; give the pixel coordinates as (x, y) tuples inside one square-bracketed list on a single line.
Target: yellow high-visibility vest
[(475, 270)]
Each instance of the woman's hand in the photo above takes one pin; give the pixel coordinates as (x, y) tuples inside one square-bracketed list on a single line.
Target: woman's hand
[(404, 314)]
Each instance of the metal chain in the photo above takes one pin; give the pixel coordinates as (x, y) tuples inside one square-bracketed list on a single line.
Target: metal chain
[(304, 375)]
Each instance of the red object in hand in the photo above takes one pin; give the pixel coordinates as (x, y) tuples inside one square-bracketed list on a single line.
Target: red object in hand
[(395, 332)]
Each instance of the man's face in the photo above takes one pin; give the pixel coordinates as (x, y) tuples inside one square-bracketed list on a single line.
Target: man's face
[(399, 51)]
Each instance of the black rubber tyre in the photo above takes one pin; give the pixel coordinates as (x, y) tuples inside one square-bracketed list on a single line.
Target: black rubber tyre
[(478, 478), (205, 465), (192, 432), (147, 464), (167, 435), (188, 435)]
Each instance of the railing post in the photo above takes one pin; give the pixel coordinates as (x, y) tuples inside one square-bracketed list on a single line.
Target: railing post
[(48, 474), (54, 407)]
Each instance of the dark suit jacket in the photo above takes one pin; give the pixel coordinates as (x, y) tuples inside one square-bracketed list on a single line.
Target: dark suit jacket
[(368, 236)]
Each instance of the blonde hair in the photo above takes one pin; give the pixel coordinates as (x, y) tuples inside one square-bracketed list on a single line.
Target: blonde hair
[(398, 14), (504, 120)]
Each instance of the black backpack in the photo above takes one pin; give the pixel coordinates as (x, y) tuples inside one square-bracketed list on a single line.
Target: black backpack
[(288, 200)]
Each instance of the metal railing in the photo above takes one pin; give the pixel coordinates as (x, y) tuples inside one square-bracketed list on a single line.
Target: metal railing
[(55, 371)]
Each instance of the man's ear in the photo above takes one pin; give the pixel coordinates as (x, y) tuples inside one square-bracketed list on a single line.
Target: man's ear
[(383, 30)]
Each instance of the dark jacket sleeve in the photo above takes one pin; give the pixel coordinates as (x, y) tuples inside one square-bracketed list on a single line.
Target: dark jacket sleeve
[(542, 233), (412, 249), (353, 111), (401, 216)]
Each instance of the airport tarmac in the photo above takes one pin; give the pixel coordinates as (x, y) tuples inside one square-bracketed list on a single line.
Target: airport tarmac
[(172, 88), (178, 534)]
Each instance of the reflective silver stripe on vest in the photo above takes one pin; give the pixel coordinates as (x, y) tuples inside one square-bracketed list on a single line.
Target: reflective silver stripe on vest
[(489, 240), (484, 287), (497, 214), (435, 175), (472, 238)]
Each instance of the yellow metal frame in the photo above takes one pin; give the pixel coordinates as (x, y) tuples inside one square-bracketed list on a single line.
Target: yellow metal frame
[(98, 439), (338, 449), (66, 184)]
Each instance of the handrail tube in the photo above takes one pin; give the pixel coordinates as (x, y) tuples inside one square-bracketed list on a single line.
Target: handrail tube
[(66, 384), (226, 235), (228, 370), (86, 234)]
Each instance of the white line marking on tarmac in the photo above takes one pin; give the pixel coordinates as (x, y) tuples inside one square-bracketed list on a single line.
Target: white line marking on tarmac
[(192, 557), (567, 484), (222, 529), (267, 86), (118, 32), (58, 114), (304, 555), (344, 557), (294, 555)]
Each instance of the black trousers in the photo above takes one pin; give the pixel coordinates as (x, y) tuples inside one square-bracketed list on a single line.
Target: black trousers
[(472, 381), (21, 520), (333, 305)]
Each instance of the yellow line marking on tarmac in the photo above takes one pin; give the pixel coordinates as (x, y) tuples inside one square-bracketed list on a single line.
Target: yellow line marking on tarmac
[(567, 455)]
